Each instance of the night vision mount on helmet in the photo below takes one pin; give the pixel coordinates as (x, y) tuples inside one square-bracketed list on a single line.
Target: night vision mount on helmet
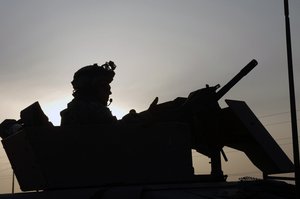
[(85, 76)]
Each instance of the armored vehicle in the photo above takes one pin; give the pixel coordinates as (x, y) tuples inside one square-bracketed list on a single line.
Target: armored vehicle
[(89, 161)]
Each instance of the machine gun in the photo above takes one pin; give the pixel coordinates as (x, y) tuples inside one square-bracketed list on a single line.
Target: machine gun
[(202, 103), (218, 95), (212, 127), (201, 98), (202, 106)]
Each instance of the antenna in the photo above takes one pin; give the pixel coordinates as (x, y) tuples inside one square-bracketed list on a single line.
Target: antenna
[(292, 97)]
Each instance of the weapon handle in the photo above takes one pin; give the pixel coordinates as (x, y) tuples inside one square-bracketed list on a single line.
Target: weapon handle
[(236, 79)]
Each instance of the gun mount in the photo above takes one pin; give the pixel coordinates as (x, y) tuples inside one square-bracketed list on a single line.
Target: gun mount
[(46, 157), (236, 126)]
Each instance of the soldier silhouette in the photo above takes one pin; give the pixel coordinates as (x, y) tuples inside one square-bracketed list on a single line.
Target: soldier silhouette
[(91, 95)]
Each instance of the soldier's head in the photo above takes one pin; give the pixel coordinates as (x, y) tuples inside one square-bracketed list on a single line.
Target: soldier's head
[(93, 81)]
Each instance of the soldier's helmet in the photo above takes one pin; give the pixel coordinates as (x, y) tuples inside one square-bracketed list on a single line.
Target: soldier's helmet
[(87, 77)]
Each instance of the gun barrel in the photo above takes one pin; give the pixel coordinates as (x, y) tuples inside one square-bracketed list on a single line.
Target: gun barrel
[(236, 79)]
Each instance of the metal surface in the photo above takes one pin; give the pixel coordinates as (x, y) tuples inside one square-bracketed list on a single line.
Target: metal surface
[(258, 144)]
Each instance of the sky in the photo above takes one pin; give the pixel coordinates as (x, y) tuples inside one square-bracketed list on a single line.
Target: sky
[(165, 49)]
